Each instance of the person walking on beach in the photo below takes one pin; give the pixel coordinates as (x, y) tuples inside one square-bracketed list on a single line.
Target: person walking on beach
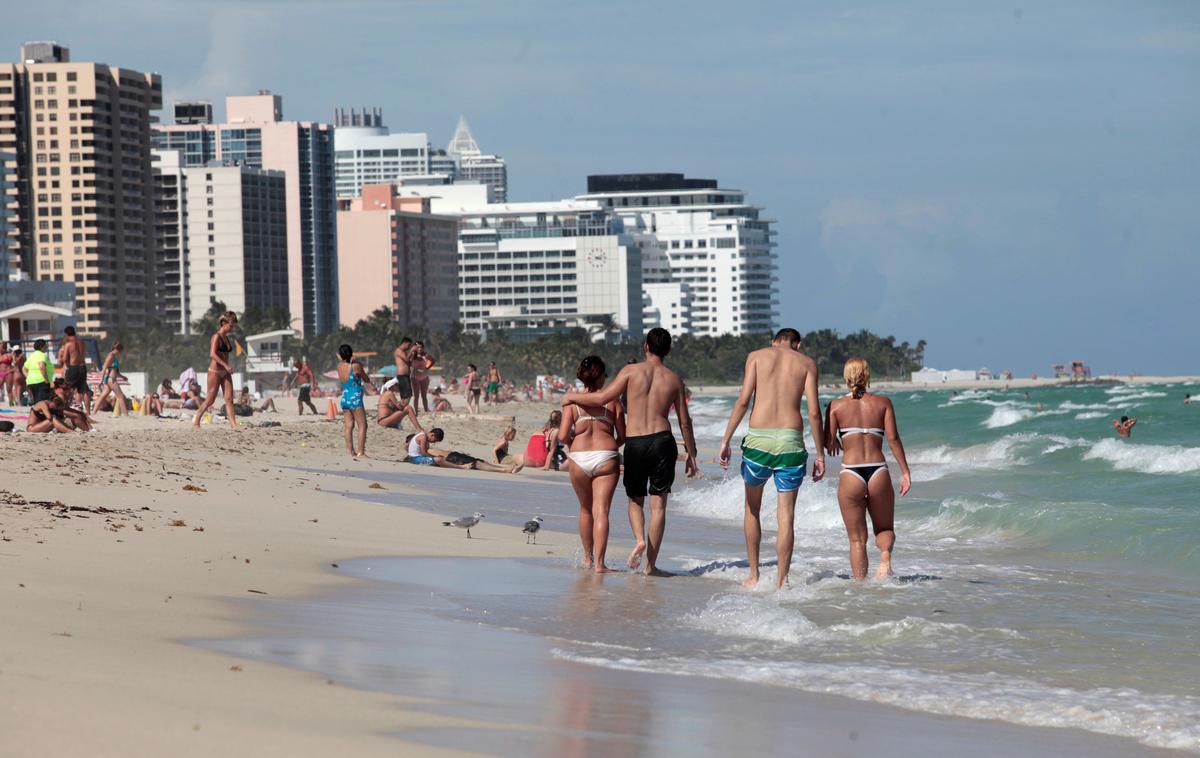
[(776, 378), (858, 424), (306, 381), (110, 381), (71, 355), (493, 384), (473, 388), (593, 433), (1124, 426), (39, 370), (403, 356), (352, 376), (651, 390), (220, 372)]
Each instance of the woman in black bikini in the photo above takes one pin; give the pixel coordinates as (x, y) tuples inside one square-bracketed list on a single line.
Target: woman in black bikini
[(855, 427), (220, 372), (48, 415)]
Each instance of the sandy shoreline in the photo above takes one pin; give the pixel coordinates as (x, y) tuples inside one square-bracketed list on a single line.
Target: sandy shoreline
[(180, 529)]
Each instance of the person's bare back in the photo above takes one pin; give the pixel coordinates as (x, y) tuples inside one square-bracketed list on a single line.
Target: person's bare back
[(780, 376), (652, 390)]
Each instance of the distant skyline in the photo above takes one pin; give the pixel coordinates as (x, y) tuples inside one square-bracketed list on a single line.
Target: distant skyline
[(1017, 185)]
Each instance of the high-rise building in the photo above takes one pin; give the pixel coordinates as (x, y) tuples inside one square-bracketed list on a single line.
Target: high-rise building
[(713, 240), (528, 269), (84, 202), (366, 153), (172, 303), (237, 238), (394, 253), (256, 135), (10, 262), (472, 164)]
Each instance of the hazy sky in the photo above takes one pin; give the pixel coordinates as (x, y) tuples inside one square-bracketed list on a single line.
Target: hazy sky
[(1018, 184)]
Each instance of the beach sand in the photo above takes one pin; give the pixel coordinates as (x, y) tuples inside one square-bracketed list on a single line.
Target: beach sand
[(121, 548)]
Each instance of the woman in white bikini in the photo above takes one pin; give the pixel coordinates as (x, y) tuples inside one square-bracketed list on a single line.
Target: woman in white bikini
[(593, 434), (856, 427)]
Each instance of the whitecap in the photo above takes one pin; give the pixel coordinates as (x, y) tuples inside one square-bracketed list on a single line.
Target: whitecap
[(1007, 415), (1147, 459)]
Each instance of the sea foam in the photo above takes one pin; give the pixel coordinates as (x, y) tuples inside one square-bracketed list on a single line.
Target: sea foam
[(1147, 459), (1156, 720)]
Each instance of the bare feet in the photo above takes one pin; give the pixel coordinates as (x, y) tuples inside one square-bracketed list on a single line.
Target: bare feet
[(585, 564), (885, 567), (602, 569), (751, 582), (517, 467), (652, 571), (635, 558)]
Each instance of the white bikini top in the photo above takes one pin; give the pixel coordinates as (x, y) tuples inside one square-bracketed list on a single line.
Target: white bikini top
[(860, 430), (612, 425)]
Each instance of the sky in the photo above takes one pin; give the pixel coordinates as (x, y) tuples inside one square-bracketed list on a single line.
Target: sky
[(1016, 183)]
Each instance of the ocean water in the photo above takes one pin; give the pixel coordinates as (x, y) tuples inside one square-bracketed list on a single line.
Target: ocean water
[(1046, 571)]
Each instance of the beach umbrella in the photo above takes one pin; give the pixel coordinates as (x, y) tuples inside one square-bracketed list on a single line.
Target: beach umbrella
[(330, 374), (387, 371)]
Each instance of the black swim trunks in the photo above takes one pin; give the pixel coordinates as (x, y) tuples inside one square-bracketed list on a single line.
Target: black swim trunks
[(76, 378), (305, 393), (650, 460), (404, 386), (458, 459)]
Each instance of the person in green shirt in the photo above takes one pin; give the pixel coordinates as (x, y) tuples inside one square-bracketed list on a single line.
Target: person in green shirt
[(39, 371)]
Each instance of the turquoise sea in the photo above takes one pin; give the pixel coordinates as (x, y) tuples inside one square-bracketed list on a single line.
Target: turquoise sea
[(1047, 574)]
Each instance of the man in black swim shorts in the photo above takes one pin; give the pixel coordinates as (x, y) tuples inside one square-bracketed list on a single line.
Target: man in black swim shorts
[(71, 355), (651, 390)]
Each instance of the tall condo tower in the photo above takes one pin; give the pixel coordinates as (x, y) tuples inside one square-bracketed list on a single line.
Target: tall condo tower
[(82, 203)]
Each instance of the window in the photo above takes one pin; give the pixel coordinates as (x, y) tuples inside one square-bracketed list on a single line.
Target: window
[(72, 76)]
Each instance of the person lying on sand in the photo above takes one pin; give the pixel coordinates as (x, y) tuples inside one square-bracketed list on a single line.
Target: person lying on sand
[(421, 454)]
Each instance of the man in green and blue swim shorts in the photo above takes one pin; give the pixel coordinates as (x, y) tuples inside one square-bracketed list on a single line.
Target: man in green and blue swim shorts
[(776, 379)]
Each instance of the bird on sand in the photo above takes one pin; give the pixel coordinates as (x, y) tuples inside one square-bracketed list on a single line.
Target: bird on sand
[(466, 522), (531, 529)]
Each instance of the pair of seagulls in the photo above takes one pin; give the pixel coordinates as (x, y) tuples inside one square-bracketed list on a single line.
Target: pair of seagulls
[(466, 522)]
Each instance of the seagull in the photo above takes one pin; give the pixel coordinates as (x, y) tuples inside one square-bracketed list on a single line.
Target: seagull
[(466, 522), (531, 529)]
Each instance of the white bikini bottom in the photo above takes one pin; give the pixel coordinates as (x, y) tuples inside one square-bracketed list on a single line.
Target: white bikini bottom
[(589, 461)]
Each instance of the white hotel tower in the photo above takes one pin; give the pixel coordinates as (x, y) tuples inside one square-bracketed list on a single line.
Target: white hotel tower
[(718, 276), (365, 152), (529, 269)]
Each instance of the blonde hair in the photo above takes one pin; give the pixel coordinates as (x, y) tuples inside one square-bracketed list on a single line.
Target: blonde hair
[(228, 317), (858, 376), (510, 432)]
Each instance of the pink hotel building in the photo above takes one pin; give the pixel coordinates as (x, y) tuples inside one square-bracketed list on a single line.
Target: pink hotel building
[(393, 253)]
